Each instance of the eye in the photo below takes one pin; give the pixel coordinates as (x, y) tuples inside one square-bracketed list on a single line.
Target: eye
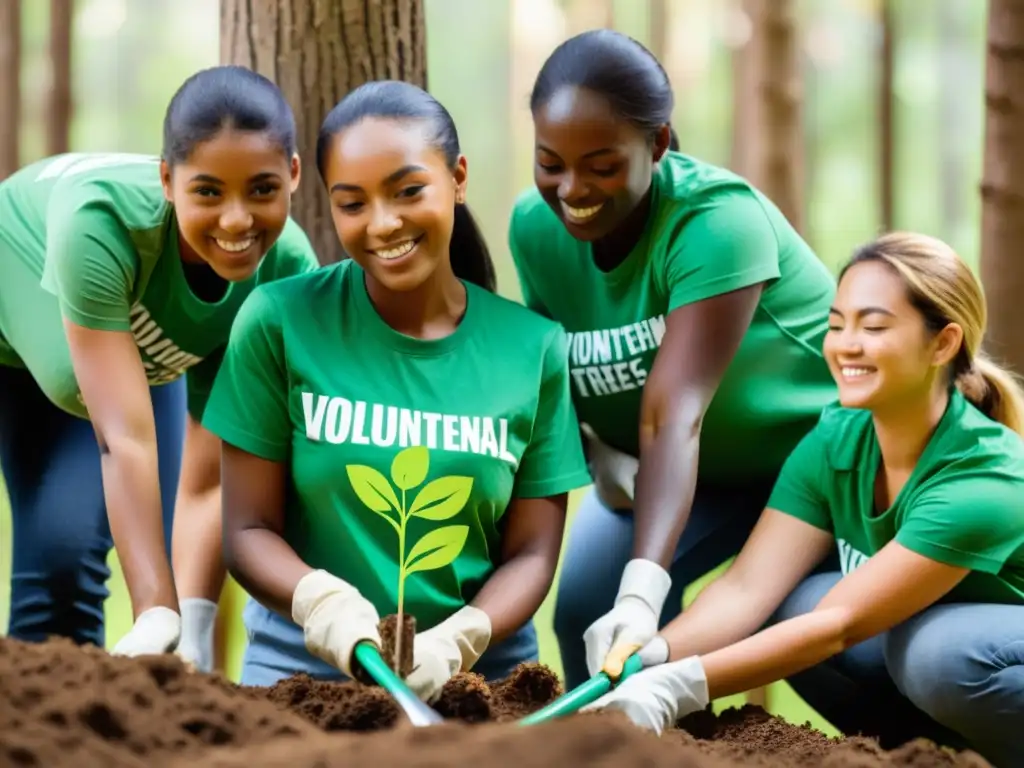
[(605, 172), (548, 168), (349, 207), (834, 328), (411, 191), (264, 190), (874, 328), (206, 191)]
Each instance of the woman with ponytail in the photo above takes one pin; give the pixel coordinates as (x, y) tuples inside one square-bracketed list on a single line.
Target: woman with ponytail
[(916, 476), (392, 426)]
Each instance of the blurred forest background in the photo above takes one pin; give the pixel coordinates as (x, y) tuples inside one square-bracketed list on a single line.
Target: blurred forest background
[(854, 115)]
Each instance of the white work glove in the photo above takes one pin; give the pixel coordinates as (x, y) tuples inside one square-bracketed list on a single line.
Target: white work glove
[(198, 621), (657, 697), (633, 621), (452, 646), (334, 617), (614, 472), (155, 631)]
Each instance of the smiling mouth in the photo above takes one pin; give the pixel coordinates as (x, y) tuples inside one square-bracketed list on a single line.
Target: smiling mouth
[(580, 215), (236, 246), (855, 371), (397, 251)]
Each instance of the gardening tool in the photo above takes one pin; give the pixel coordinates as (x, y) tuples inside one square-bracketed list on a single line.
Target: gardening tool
[(584, 694), (373, 664)]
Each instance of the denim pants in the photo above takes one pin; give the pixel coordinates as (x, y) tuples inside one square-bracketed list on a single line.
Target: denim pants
[(277, 650), (953, 673), (599, 546), (61, 538)]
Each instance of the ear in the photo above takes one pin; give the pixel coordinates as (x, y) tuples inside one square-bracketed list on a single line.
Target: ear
[(662, 140), (461, 176), (947, 344), (165, 180), (296, 172)]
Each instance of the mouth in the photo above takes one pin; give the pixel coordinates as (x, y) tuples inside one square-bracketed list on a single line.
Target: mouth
[(580, 215), (396, 251), (236, 247), (855, 372)]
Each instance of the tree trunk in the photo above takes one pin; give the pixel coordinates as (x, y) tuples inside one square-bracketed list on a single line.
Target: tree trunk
[(317, 52), (1002, 188), (58, 118), (886, 119), (10, 88)]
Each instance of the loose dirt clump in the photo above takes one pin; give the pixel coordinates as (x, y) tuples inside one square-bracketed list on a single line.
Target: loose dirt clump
[(63, 705)]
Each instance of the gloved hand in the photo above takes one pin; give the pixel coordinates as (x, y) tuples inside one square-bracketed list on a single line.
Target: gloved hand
[(453, 645), (658, 696), (633, 621), (614, 472), (155, 631), (334, 617), (198, 620)]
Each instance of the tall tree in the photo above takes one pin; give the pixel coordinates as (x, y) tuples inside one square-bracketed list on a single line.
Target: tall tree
[(887, 117), (10, 88), (317, 52), (1002, 188), (58, 117)]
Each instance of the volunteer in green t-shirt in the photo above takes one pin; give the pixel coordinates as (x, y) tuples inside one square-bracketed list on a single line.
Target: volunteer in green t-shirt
[(394, 431), (695, 316), (916, 477), (119, 273)]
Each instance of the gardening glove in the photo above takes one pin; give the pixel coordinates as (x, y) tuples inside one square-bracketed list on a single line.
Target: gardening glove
[(155, 631), (452, 646), (614, 472), (334, 617), (633, 620), (658, 696), (198, 619)]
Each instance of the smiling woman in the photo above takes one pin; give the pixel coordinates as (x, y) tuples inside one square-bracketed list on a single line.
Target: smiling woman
[(120, 275)]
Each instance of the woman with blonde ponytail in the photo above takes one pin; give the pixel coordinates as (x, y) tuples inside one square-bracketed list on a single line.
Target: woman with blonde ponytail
[(915, 478)]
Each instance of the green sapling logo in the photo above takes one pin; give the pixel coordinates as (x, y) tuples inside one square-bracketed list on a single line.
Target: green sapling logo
[(440, 499)]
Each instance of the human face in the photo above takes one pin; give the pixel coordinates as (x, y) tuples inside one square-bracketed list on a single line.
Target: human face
[(393, 199), (590, 166), (231, 197), (878, 348)]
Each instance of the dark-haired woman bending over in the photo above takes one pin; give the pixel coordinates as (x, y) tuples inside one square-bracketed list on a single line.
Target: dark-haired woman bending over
[(395, 433), (118, 274), (695, 316)]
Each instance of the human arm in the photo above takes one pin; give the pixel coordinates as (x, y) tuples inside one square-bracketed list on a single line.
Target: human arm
[(711, 308)]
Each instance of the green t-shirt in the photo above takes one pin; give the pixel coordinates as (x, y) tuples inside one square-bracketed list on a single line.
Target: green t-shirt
[(963, 504), (372, 422), (709, 233), (90, 237)]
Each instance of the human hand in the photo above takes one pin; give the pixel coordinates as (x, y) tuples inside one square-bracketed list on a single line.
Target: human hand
[(633, 620), (614, 472), (453, 645), (657, 697), (155, 631), (198, 621), (334, 617)]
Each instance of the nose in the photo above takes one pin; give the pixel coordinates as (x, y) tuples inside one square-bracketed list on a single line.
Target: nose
[(236, 219), (571, 187), (383, 222), (847, 342)]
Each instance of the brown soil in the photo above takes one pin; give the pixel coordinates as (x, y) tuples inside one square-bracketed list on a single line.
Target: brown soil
[(61, 705)]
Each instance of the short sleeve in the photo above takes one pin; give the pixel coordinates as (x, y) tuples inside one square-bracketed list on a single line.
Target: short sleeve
[(91, 265), (531, 297), (553, 461), (972, 522), (800, 488), (248, 403), (727, 246), (199, 381)]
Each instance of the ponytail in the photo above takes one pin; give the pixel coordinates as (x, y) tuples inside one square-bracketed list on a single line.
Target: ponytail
[(673, 139), (994, 391), (470, 257)]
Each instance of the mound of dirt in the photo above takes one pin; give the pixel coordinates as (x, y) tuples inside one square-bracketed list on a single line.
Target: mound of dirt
[(63, 705)]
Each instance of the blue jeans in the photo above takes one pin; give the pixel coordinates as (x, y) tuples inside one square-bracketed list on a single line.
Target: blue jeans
[(599, 547), (953, 673), (277, 650), (51, 466)]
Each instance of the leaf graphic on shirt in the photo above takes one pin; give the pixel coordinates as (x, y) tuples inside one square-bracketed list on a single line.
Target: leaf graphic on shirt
[(410, 466), (442, 498), (437, 549), (374, 490)]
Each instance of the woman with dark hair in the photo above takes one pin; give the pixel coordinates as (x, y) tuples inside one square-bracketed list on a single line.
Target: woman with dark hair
[(120, 276), (398, 438), (695, 316)]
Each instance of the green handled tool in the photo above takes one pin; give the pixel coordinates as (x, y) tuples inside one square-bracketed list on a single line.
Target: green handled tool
[(584, 694), (373, 664)]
